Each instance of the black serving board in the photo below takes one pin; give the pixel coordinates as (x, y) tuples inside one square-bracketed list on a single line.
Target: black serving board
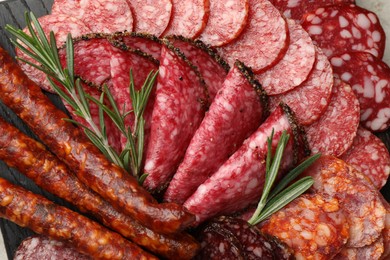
[(12, 12)]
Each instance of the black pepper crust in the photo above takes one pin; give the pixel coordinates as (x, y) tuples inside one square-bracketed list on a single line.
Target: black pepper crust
[(301, 145)]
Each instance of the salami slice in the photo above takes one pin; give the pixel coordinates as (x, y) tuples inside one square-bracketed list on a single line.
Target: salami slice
[(240, 180), (295, 66), (61, 25), (151, 16), (373, 251), (369, 78), (370, 156), (179, 109), (263, 42), (41, 247), (226, 22), (212, 67), (386, 230), (101, 16), (310, 99), (359, 199), (189, 18), (335, 130), (297, 8), (313, 226), (341, 28), (240, 100)]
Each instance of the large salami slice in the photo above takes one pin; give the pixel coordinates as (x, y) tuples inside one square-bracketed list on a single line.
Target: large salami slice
[(212, 67), (341, 28), (189, 18), (297, 8), (240, 180), (386, 230), (295, 66), (151, 16), (310, 99), (359, 199), (240, 100), (181, 99), (374, 251), (313, 226), (335, 130), (370, 80), (101, 16), (263, 42), (226, 21), (61, 25), (370, 156)]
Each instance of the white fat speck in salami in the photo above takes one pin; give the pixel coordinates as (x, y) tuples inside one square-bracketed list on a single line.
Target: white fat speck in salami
[(263, 42), (370, 81), (151, 16), (369, 155), (226, 21), (240, 180), (359, 199), (341, 28), (310, 100), (101, 16), (188, 18), (216, 138), (313, 226), (294, 67), (334, 131), (177, 113), (374, 251), (61, 25)]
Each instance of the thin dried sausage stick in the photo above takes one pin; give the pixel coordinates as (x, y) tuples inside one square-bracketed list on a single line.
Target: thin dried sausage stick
[(33, 160), (45, 217), (113, 183)]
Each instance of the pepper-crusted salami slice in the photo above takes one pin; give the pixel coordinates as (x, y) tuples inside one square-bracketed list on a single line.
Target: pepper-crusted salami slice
[(226, 21), (101, 16), (41, 247), (294, 67), (212, 67), (341, 28), (179, 108), (240, 100), (310, 99), (335, 130), (61, 25), (45, 217), (359, 199), (313, 226), (240, 180), (188, 18), (297, 8), (369, 155), (369, 78), (263, 42), (151, 16), (69, 144), (374, 251)]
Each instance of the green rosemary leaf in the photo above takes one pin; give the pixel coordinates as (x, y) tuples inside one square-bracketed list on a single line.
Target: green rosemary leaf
[(62, 94), (69, 56), (269, 151), (142, 178)]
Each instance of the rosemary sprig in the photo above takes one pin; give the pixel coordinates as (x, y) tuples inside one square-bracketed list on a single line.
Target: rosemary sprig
[(271, 202), (45, 52)]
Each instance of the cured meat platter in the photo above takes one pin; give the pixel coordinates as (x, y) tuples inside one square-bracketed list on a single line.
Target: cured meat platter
[(12, 12)]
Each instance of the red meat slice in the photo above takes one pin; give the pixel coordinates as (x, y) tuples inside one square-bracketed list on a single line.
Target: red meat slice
[(294, 67), (263, 42), (310, 100), (342, 28), (151, 16), (226, 21), (188, 18), (240, 100), (370, 81), (335, 130), (179, 109), (370, 156), (240, 180)]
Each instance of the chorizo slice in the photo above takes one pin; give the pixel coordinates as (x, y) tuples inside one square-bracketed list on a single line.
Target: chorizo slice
[(374, 251)]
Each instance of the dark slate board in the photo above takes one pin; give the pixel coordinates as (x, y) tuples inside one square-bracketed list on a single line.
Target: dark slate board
[(12, 12)]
